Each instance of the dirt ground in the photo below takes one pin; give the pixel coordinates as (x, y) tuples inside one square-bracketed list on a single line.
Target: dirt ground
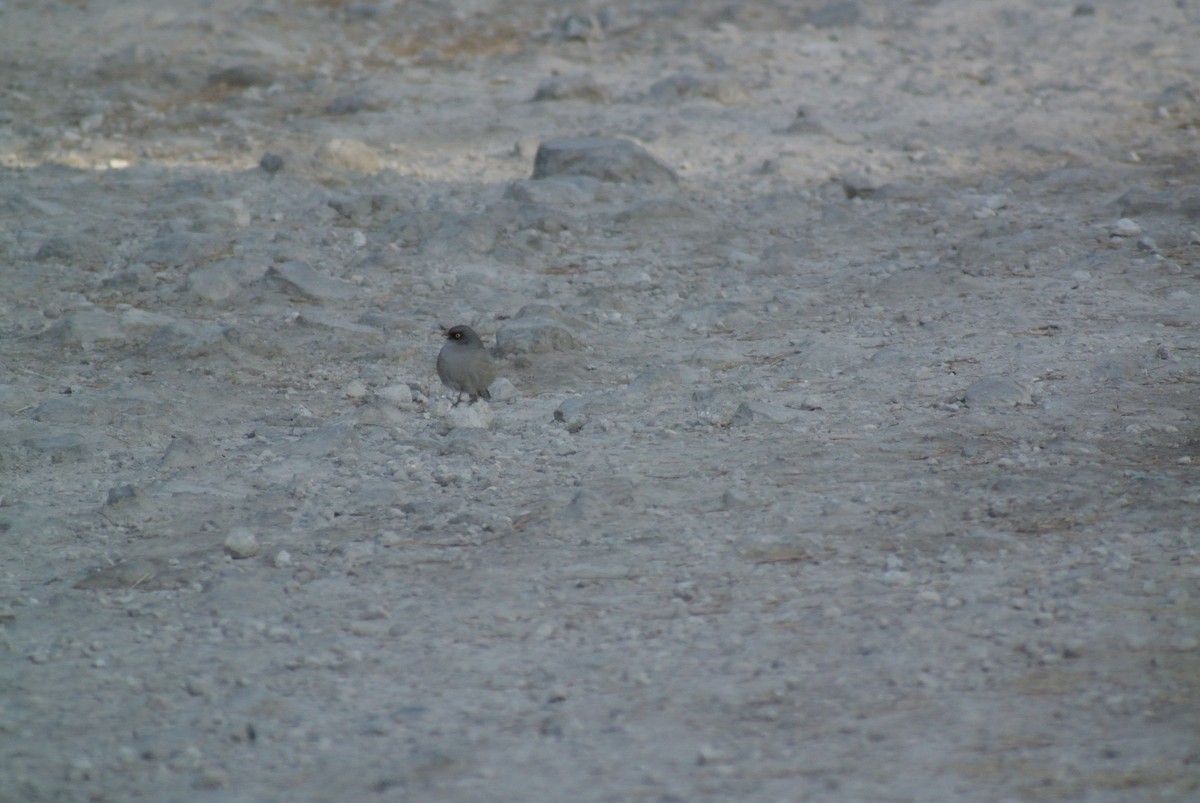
[(846, 443)]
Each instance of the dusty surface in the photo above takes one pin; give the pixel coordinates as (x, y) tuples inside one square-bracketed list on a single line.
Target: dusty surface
[(860, 463)]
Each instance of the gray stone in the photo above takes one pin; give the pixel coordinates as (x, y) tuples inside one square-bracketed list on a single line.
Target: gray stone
[(997, 391), (66, 447), (581, 27), (69, 409), (536, 329), (577, 411), (185, 248), (223, 281), (572, 87), (242, 76), (688, 85), (663, 377), (138, 277), (271, 163), (502, 390), (753, 412), (185, 451), (805, 123), (554, 191), (353, 103), (337, 438), (120, 495), (454, 235), (1183, 201), (242, 543), (783, 548), (656, 212), (834, 15), (68, 248), (328, 320), (1125, 228), (716, 356), (86, 328), (604, 158), (469, 416), (363, 209), (188, 339), (301, 278), (350, 154)]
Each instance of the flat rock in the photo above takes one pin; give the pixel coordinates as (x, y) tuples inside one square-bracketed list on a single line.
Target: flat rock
[(86, 328), (186, 451), (339, 437), (301, 278), (223, 281), (754, 412), (241, 76), (188, 339), (997, 391), (66, 447), (664, 377), (716, 356), (689, 85), (185, 248), (554, 191), (573, 87), (577, 411), (479, 415), (350, 154), (326, 320), (534, 333), (603, 158)]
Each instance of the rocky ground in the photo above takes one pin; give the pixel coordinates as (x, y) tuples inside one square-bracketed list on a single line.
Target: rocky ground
[(846, 444)]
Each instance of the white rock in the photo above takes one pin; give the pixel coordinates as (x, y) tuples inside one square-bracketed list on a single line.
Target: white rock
[(997, 391), (242, 542), (502, 391), (1125, 228), (479, 415)]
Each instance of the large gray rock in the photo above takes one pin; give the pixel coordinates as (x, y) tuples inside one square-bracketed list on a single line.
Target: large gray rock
[(605, 158), (537, 329), (303, 279)]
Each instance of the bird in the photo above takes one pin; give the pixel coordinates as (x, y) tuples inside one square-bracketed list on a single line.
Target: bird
[(464, 365)]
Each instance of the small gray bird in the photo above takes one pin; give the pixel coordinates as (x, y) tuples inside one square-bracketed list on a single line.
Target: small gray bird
[(464, 365)]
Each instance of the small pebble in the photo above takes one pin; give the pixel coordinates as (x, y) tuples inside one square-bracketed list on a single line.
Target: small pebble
[(1125, 228), (271, 163), (241, 543), (997, 391)]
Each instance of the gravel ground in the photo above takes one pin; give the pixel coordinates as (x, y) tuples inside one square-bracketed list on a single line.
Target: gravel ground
[(845, 445)]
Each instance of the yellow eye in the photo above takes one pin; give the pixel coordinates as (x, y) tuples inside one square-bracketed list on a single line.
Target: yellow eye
[(457, 335)]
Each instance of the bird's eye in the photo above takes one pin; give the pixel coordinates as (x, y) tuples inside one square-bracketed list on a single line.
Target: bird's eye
[(457, 335)]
